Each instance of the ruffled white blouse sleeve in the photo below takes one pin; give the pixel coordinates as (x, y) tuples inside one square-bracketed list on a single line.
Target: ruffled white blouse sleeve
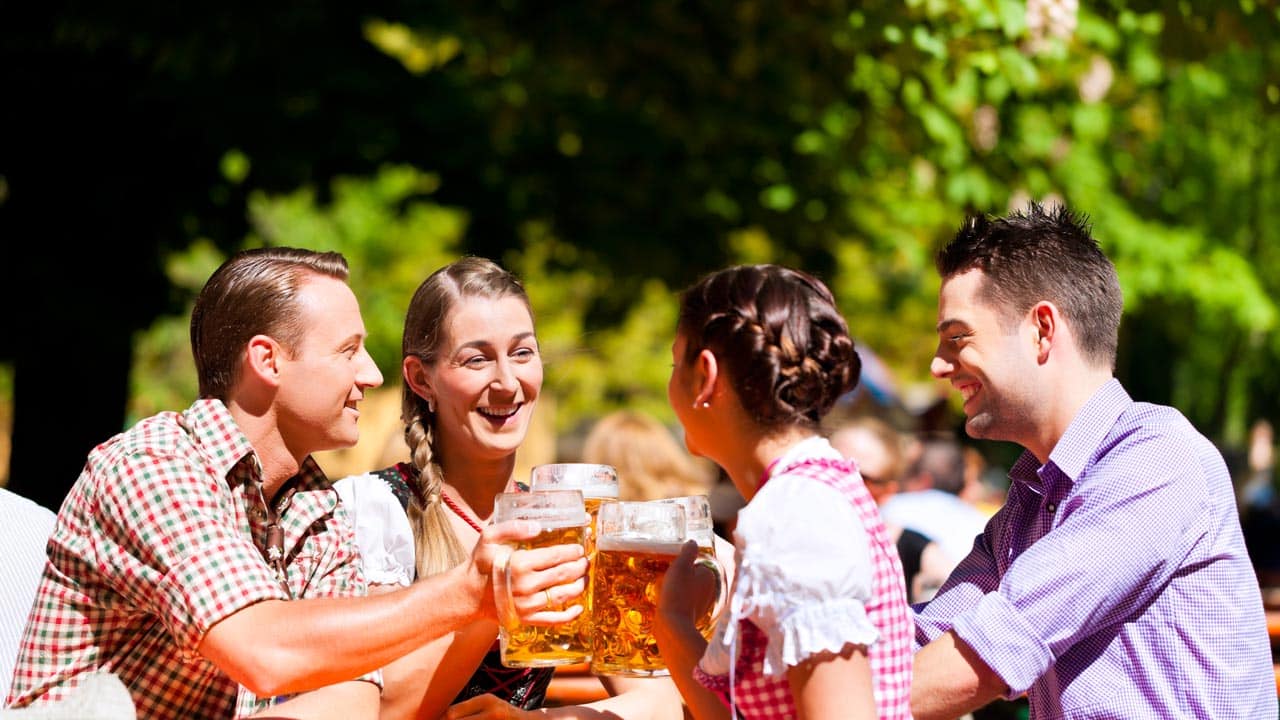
[(804, 576), (381, 528)]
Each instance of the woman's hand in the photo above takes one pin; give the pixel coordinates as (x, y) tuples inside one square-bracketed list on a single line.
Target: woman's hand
[(689, 590), (486, 706)]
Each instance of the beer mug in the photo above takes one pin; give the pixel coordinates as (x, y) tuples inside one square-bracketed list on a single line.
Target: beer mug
[(598, 484), (564, 521), (635, 545), (700, 527)]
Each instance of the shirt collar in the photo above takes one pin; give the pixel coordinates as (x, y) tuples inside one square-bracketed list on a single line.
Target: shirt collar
[(225, 446), (1078, 445)]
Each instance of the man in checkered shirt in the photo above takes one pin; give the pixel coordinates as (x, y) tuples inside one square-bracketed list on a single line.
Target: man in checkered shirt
[(204, 559), (1114, 582)]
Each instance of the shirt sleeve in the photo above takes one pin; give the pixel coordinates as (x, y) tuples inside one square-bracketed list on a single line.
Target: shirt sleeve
[(805, 575), (1117, 541), (381, 528), (167, 537)]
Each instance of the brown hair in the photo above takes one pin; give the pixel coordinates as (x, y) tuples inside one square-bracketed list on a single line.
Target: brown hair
[(255, 292), (649, 460), (425, 325), (776, 331), (1043, 254)]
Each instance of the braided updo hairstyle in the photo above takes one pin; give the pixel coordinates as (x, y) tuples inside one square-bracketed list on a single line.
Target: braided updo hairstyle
[(425, 329), (777, 333)]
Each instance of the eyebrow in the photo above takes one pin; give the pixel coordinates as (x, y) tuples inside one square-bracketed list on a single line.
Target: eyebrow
[(945, 325), (485, 343)]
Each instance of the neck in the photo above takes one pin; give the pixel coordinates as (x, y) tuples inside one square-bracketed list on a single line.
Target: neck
[(279, 463), (1074, 392), (477, 483), (756, 450)]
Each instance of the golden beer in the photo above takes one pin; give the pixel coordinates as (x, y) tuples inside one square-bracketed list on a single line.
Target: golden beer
[(699, 527), (598, 484), (626, 580), (567, 643)]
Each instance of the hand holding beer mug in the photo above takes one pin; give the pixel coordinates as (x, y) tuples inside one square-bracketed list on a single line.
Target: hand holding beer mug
[(635, 545), (564, 520), (700, 527)]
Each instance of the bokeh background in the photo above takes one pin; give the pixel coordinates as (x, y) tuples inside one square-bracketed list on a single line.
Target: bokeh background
[(609, 153)]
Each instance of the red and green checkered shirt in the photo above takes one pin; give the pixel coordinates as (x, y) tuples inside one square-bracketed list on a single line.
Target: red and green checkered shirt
[(161, 538)]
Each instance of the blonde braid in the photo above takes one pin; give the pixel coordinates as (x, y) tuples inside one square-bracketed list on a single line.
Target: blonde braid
[(436, 546)]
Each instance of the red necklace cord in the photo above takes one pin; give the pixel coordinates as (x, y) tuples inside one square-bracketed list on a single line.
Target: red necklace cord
[(458, 511)]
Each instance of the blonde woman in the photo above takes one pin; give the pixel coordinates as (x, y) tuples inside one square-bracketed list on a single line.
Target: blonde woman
[(472, 377)]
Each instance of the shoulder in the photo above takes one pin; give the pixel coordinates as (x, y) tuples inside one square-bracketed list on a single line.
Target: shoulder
[(798, 513)]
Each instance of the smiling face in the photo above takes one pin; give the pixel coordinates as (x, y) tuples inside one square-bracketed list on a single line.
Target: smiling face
[(990, 362), (325, 376), (485, 381)]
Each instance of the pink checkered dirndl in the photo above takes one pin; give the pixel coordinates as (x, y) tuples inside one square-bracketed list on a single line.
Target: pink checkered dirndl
[(756, 696)]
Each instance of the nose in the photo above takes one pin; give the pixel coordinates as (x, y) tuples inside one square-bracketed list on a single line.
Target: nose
[(368, 376), (504, 376), (940, 367)]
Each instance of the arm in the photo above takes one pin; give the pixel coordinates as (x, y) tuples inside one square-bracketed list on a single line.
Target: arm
[(335, 639), (423, 683), (635, 699), (343, 701), (678, 637), (949, 680), (827, 685)]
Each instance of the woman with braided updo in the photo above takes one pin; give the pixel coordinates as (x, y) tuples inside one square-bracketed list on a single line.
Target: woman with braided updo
[(817, 625), (472, 376)]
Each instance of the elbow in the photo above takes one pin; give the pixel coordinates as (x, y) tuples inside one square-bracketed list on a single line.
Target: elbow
[(265, 673)]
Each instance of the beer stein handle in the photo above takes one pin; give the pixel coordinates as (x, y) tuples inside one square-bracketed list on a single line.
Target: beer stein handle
[(722, 582)]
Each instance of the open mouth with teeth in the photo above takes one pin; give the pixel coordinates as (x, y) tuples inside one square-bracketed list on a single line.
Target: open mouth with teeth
[(499, 415)]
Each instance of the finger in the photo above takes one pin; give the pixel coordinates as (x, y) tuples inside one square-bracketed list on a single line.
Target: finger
[(472, 707), (548, 597), (510, 532), (546, 558), (528, 575)]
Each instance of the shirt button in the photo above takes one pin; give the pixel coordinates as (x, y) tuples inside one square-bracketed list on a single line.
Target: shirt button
[(1052, 507)]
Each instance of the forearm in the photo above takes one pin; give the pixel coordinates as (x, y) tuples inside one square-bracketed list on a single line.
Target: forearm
[(282, 647), (949, 680), (351, 700), (682, 648), (426, 681), (631, 698)]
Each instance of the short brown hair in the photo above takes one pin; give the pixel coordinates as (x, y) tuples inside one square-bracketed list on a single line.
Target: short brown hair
[(1043, 254), (255, 292)]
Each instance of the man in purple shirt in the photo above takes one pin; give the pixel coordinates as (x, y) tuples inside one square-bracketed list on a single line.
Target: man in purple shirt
[(1114, 583)]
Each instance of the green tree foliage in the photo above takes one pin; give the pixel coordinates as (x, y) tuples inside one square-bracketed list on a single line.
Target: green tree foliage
[(612, 152)]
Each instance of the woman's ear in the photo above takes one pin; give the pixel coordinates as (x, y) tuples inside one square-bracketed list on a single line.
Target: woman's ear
[(416, 377), (707, 373)]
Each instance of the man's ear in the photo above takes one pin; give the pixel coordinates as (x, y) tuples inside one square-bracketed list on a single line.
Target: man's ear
[(263, 358), (1045, 322)]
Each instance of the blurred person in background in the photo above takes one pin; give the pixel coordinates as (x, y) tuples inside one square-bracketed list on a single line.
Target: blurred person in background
[(1114, 582), (204, 558), (930, 502), (651, 464), (878, 450), (817, 624), (472, 376)]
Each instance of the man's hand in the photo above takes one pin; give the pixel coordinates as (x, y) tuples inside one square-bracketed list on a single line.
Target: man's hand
[(539, 586)]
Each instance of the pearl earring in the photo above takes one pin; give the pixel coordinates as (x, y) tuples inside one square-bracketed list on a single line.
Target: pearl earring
[(431, 405)]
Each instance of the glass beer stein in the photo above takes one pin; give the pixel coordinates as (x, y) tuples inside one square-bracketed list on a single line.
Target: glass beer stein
[(635, 545), (700, 527), (564, 520)]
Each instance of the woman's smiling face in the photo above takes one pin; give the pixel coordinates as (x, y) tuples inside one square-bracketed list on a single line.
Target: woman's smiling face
[(486, 380)]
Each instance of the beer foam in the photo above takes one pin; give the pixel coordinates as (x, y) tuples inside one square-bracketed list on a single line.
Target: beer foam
[(625, 543), (551, 517)]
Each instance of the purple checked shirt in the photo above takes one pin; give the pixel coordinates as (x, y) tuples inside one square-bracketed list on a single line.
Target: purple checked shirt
[(1114, 582)]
